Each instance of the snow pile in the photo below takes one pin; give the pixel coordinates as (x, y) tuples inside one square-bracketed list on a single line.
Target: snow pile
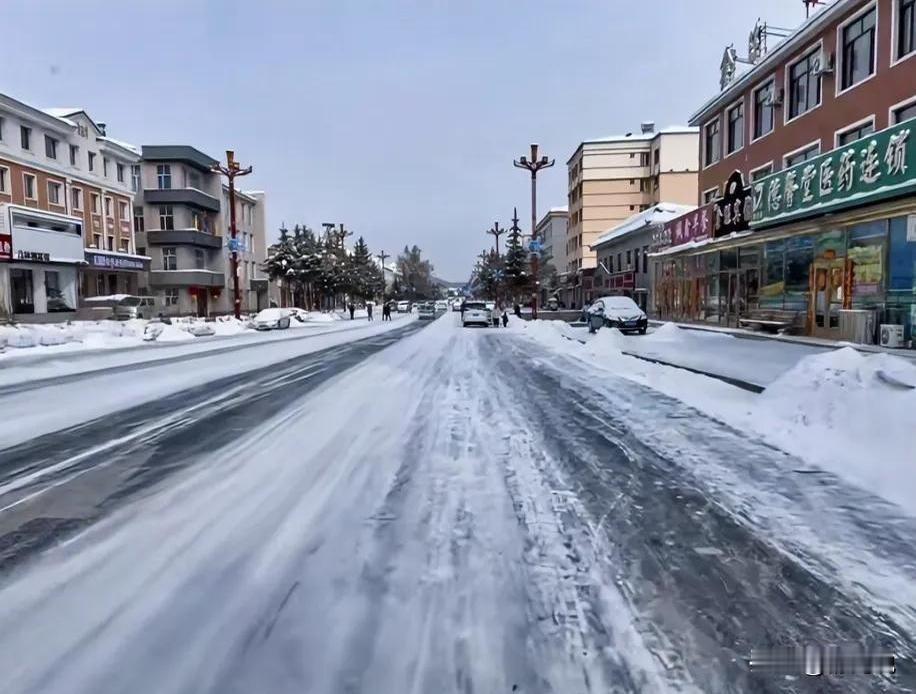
[(324, 317), (15, 336), (666, 332), (552, 332), (229, 325), (844, 411), (163, 332)]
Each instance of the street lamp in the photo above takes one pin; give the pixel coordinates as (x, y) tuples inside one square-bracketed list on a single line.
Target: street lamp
[(496, 232), (534, 165), (230, 171)]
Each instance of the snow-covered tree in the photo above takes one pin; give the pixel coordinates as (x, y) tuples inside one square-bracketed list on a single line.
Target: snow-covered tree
[(517, 266)]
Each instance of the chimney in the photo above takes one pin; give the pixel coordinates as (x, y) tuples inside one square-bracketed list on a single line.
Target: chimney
[(101, 127), (647, 126)]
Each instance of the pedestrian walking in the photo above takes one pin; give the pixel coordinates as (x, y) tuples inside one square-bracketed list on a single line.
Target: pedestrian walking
[(505, 318), (518, 310), (369, 310), (352, 310), (386, 312)]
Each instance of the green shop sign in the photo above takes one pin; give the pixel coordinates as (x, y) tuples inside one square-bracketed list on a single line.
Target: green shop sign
[(881, 165)]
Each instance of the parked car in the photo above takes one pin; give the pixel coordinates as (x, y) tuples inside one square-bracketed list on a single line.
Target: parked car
[(200, 328), (620, 312), (441, 306), (553, 304), (272, 319), (122, 306), (476, 313), (298, 314), (456, 304), (426, 311), (403, 307)]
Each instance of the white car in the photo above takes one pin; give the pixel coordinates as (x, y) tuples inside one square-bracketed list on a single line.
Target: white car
[(272, 319), (456, 304), (620, 312), (476, 313), (403, 307), (441, 306)]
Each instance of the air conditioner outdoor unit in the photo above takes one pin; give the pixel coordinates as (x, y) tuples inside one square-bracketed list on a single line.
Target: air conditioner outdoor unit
[(822, 63), (891, 335)]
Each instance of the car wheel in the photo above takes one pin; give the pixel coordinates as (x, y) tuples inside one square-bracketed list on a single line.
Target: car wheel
[(284, 323), (642, 331)]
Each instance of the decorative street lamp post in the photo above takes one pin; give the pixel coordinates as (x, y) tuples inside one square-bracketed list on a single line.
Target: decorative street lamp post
[(534, 165), (230, 171), (496, 232)]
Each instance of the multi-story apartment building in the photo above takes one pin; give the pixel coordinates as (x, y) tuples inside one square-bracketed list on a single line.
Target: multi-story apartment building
[(613, 178), (179, 225), (65, 201), (807, 181), (551, 231), (251, 235)]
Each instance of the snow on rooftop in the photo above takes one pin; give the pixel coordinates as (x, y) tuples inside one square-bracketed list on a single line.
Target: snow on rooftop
[(657, 214), (119, 143), (640, 136), (61, 112), (561, 208)]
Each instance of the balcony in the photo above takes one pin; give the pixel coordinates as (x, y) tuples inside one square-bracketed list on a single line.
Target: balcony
[(186, 278), (183, 237), (181, 196)]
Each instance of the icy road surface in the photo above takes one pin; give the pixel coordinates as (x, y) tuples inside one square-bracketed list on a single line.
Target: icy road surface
[(430, 510)]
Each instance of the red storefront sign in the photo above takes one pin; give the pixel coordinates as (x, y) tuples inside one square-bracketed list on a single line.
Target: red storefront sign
[(693, 226), (622, 280), (6, 247)]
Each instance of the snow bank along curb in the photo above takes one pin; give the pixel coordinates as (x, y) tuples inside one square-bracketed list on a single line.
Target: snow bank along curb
[(844, 411)]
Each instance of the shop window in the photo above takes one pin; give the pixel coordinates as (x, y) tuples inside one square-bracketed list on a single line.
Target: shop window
[(57, 302), (100, 285), (902, 259), (774, 278), (866, 255), (21, 286), (729, 259), (799, 256)]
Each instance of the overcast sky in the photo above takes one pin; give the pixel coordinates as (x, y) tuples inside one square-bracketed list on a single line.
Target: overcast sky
[(399, 118)]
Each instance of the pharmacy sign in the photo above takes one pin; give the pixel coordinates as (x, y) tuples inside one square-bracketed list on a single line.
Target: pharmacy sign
[(879, 166)]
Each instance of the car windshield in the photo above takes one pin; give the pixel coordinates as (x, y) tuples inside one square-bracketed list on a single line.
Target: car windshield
[(619, 303), (475, 305)]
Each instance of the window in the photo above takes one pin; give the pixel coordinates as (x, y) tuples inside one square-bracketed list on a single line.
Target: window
[(629, 260), (166, 218), (169, 258), (138, 219), (170, 297), (195, 221), (655, 156), (735, 135), (803, 155), (857, 133), (122, 210), (25, 137), (96, 240), (645, 259), (57, 302), (906, 28), (55, 193), (193, 180), (764, 98), (120, 172), (200, 259), (135, 177), (905, 112), (50, 147), (164, 176), (804, 86), (710, 195), (4, 178), (619, 262), (28, 181), (94, 198), (76, 199), (858, 51), (761, 172), (74, 153), (110, 245), (92, 161), (2, 123), (712, 143), (125, 246), (105, 167), (141, 250), (108, 207)]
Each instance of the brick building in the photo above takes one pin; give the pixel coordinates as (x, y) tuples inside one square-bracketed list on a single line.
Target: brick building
[(65, 201), (813, 142)]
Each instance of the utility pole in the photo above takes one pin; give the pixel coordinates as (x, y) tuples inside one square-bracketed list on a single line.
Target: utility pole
[(496, 232), (381, 255), (534, 165), (230, 171)]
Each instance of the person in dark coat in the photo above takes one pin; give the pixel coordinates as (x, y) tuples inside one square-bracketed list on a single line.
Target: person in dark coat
[(369, 311), (386, 312), (505, 318), (518, 310), (352, 309)]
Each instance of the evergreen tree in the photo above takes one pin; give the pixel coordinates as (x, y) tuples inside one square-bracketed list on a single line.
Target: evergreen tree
[(517, 266)]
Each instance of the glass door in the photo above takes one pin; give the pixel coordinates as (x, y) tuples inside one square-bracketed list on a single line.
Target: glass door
[(827, 297)]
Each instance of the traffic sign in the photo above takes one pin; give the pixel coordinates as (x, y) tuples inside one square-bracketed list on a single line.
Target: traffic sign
[(234, 245), (535, 246)]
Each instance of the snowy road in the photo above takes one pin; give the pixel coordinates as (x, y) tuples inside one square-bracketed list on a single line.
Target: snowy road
[(432, 510)]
